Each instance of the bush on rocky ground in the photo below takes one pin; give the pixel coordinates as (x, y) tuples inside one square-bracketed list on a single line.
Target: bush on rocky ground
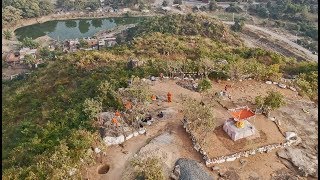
[(149, 168)]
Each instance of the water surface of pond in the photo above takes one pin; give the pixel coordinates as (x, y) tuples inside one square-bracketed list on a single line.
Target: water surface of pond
[(71, 29)]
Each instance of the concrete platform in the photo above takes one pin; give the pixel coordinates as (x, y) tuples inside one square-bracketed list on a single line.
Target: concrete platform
[(238, 133)]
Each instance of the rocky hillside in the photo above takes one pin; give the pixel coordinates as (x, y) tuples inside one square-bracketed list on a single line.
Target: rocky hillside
[(46, 133)]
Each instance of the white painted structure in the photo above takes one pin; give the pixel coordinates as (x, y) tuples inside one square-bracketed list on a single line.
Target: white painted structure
[(238, 133)]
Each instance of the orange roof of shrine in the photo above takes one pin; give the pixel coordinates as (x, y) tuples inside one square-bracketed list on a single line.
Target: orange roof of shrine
[(242, 114)]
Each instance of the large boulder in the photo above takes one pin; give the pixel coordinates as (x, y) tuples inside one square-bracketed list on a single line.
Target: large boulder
[(192, 170)]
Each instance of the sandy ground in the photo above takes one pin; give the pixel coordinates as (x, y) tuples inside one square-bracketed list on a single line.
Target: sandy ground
[(260, 166)]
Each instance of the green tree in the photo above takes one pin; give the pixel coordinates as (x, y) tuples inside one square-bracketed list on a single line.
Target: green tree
[(259, 101), (30, 60), (83, 43), (238, 25), (29, 8), (204, 85), (80, 4), (138, 90), (263, 12), (92, 108), (45, 53), (10, 15), (308, 83), (213, 5), (233, 8), (30, 43), (46, 7), (274, 100), (106, 88), (94, 4), (237, 69), (271, 102), (7, 34), (65, 4), (200, 118)]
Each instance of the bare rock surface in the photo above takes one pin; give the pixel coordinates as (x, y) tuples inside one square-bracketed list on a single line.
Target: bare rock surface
[(304, 164), (192, 170)]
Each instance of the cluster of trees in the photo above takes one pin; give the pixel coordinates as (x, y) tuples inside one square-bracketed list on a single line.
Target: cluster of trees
[(54, 133), (238, 25), (199, 116), (291, 10), (29, 43), (213, 5), (234, 8), (190, 25), (78, 4), (14, 10), (272, 101), (7, 34), (204, 85), (308, 83)]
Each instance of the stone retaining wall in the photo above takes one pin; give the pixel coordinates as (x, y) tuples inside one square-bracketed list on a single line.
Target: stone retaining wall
[(221, 159), (109, 140)]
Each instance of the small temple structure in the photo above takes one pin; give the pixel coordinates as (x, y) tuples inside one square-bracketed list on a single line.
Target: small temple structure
[(238, 126)]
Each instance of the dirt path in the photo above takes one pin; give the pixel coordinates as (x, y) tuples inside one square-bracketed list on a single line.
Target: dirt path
[(118, 157), (276, 36)]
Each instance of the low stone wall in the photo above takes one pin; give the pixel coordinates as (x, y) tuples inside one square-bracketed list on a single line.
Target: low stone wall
[(109, 140), (221, 159)]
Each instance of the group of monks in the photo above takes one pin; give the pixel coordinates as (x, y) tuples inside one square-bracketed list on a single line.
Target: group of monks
[(128, 107), (169, 97)]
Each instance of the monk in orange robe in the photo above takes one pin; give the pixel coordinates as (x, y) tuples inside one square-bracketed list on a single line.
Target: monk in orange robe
[(169, 95)]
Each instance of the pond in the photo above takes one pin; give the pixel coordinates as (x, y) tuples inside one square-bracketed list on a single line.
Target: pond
[(71, 29)]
